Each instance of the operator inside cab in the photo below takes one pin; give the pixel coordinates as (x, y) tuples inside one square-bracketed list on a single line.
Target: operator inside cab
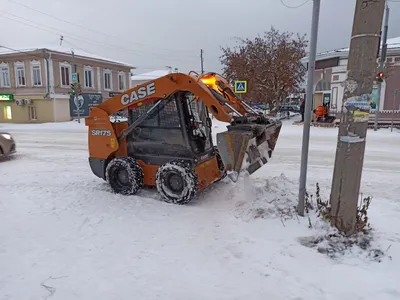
[(197, 125)]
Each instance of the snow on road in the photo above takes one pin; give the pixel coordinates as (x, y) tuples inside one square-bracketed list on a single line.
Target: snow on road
[(63, 233)]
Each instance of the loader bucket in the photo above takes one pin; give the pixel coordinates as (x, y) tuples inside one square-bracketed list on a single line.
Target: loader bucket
[(248, 146)]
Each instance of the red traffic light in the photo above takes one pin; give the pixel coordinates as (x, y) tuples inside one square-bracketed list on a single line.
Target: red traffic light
[(380, 77)]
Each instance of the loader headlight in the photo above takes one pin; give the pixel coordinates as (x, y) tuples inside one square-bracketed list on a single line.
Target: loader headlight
[(211, 82), (6, 136)]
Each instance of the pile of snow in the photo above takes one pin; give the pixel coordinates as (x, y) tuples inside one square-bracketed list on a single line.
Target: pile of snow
[(273, 197), (252, 198), (361, 246)]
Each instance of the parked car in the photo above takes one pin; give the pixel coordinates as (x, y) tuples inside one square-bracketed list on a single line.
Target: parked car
[(7, 144), (289, 107)]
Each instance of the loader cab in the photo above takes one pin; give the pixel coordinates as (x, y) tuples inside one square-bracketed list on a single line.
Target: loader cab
[(197, 124), (179, 128)]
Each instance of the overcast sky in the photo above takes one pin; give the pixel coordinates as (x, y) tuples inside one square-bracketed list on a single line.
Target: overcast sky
[(152, 34)]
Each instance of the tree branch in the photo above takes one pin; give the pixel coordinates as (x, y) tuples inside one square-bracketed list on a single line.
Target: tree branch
[(274, 53)]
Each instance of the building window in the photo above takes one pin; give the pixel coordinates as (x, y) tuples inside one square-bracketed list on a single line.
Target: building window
[(7, 113), (20, 78), (88, 77), (4, 76), (108, 80), (397, 59), (335, 77), (65, 74), (121, 81), (32, 113), (36, 73)]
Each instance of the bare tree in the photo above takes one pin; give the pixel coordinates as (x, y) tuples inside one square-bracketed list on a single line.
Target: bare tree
[(270, 64)]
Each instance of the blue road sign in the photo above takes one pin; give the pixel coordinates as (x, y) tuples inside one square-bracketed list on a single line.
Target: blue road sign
[(74, 77), (240, 86)]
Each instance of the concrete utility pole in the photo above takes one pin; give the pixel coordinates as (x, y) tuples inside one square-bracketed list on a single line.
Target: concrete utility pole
[(202, 61), (353, 126), (75, 66), (308, 106), (382, 65)]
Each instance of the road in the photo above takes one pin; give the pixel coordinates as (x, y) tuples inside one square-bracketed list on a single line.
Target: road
[(58, 220)]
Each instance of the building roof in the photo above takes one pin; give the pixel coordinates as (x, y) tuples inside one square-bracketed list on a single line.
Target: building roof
[(393, 44), (63, 50), (151, 75)]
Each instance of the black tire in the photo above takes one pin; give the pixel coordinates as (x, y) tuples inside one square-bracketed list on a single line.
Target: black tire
[(125, 175), (177, 182), (221, 166)]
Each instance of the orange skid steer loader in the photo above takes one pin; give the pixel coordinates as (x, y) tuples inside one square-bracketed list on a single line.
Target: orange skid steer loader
[(166, 141)]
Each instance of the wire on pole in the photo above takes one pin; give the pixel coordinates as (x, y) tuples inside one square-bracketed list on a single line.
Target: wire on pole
[(296, 6)]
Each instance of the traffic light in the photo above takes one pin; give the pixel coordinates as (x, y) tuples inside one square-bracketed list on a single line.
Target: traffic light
[(73, 89), (379, 77), (79, 89)]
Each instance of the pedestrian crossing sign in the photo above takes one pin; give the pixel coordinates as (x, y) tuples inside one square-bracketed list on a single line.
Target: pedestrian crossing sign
[(240, 86), (74, 77)]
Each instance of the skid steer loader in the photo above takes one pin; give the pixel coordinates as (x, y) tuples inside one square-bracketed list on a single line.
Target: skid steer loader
[(166, 141)]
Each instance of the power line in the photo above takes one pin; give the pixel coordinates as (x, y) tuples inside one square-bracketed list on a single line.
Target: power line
[(138, 67), (92, 30), (86, 40), (88, 52), (77, 37), (288, 6)]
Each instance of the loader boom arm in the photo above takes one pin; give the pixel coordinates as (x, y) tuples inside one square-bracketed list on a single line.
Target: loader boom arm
[(164, 87)]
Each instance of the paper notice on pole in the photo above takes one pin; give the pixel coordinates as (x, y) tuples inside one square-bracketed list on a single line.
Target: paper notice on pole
[(360, 116), (359, 106)]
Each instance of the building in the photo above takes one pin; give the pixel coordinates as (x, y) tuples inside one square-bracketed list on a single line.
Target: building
[(35, 83), (331, 72), (145, 77)]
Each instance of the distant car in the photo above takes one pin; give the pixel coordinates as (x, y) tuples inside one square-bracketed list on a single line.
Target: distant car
[(7, 144), (289, 107)]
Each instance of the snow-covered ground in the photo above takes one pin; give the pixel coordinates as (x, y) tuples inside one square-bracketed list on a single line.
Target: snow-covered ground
[(64, 234)]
